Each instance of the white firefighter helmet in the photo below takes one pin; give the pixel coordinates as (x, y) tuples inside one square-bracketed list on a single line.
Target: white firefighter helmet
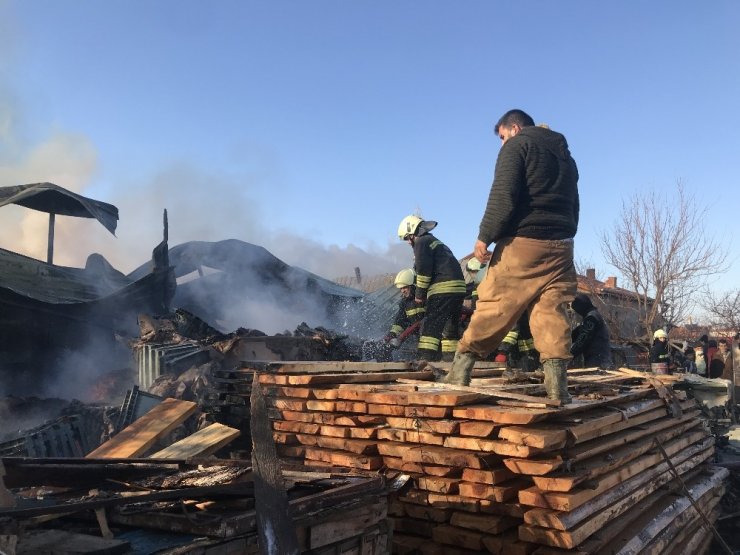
[(405, 278), (659, 333), (408, 226)]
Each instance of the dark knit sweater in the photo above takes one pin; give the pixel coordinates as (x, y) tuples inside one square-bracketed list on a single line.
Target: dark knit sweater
[(535, 189)]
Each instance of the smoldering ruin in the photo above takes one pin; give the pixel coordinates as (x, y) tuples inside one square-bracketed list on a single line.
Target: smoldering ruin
[(218, 400)]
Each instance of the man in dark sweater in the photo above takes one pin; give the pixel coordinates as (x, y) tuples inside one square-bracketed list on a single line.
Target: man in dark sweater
[(532, 216)]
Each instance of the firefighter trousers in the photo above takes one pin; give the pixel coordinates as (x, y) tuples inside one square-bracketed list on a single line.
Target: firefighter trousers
[(524, 273), (441, 328)]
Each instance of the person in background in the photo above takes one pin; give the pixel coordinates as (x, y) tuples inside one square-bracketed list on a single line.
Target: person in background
[(660, 352), (440, 288), (689, 361), (700, 360), (720, 366), (531, 216), (591, 336)]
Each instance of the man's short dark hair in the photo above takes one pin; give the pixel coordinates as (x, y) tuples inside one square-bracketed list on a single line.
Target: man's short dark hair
[(520, 117)]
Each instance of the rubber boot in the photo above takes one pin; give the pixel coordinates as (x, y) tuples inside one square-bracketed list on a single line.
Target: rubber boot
[(462, 368), (556, 380)]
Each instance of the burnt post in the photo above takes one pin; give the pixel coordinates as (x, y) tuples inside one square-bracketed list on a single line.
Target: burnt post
[(50, 244)]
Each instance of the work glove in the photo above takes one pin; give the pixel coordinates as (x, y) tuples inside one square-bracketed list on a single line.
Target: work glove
[(395, 342)]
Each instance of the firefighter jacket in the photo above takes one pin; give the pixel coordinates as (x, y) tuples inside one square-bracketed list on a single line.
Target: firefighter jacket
[(437, 269), (659, 352), (409, 312)]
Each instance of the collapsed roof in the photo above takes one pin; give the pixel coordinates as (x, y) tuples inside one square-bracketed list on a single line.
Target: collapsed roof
[(47, 197)]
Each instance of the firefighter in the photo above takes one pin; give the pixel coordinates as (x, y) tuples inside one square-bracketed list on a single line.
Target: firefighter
[(660, 351), (591, 336), (517, 347), (410, 314), (440, 288)]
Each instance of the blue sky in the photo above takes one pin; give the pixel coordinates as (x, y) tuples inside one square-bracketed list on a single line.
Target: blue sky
[(313, 127)]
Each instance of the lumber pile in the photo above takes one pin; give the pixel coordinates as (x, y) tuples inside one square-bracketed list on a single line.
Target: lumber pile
[(87, 505), (497, 468)]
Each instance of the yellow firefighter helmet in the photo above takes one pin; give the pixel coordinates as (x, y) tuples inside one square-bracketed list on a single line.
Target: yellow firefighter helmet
[(405, 278)]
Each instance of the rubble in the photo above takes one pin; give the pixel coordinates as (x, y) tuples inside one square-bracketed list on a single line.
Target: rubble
[(205, 504)]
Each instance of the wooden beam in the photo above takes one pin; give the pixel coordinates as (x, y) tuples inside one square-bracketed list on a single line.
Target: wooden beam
[(140, 435)]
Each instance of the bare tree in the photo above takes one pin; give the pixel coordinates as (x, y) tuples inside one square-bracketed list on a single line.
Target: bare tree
[(723, 309), (659, 245)]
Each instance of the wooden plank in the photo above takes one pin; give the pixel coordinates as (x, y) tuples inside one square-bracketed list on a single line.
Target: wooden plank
[(410, 436), (445, 427), (326, 367), (493, 476), (427, 513), (358, 446), (437, 484), (457, 502), (507, 543), (340, 458), (296, 416), (511, 415), (449, 457), (498, 446), (397, 463), (644, 532), (591, 517), (54, 541), (501, 493), (702, 491), (137, 438), (479, 429), (202, 443), (487, 524), (387, 410), (419, 411), (285, 438), (601, 464), (287, 403), (493, 507), (295, 427), (412, 526), (324, 379), (557, 434), (567, 501), (490, 393), (451, 535), (358, 520), (539, 467)]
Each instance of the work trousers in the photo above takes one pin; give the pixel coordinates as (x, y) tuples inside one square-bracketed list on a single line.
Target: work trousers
[(440, 331), (524, 273)]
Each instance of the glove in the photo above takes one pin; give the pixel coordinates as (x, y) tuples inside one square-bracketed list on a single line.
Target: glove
[(395, 342), (500, 357)]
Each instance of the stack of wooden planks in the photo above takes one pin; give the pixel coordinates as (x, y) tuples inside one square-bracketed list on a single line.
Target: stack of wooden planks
[(181, 489), (496, 468)]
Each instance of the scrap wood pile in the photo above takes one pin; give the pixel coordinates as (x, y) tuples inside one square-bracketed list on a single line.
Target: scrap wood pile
[(499, 468), (131, 482)]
